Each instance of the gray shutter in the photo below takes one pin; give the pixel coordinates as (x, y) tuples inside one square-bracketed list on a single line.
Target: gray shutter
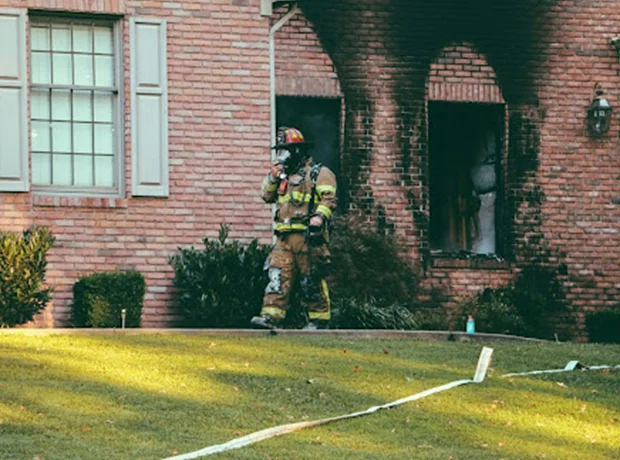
[(149, 108), (266, 7), (13, 102)]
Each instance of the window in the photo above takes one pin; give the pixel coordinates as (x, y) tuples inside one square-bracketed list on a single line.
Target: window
[(319, 121), (74, 105), (465, 177)]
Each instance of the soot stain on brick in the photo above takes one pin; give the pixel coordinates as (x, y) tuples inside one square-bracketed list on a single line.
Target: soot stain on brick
[(508, 33), (355, 165), (332, 23), (504, 31), (525, 195), (527, 245)]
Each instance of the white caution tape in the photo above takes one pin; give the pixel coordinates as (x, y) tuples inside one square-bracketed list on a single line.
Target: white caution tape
[(571, 366), (483, 365)]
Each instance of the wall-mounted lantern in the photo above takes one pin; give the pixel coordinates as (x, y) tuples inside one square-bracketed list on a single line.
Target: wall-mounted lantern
[(599, 112)]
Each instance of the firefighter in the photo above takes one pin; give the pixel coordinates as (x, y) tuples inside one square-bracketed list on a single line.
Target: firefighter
[(305, 197)]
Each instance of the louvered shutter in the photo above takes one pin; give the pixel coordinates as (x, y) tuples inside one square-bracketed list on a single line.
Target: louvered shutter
[(149, 108), (13, 102)]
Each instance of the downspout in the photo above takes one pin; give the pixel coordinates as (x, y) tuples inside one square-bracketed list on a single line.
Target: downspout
[(293, 10)]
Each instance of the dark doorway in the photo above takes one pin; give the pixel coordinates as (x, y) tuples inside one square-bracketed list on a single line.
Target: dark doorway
[(466, 145), (319, 121)]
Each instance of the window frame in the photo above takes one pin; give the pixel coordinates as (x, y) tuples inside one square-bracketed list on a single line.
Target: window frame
[(501, 244), (118, 92)]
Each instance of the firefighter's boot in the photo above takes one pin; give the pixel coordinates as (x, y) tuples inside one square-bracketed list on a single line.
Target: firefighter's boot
[(263, 322), (316, 325)]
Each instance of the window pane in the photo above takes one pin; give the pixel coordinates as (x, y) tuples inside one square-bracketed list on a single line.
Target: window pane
[(83, 69), (61, 39), (41, 68), (41, 168), (104, 70), (62, 69), (104, 171), (61, 105), (82, 106), (82, 39), (83, 169), (40, 38), (61, 170), (40, 136), (103, 107), (40, 104), (61, 137), (104, 139), (82, 138), (103, 40)]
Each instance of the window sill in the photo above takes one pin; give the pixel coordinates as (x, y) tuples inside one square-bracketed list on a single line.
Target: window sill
[(48, 201), (467, 260)]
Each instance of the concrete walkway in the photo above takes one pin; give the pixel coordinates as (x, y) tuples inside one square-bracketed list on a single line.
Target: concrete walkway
[(343, 333)]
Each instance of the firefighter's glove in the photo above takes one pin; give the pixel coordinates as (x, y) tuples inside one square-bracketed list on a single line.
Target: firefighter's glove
[(314, 235)]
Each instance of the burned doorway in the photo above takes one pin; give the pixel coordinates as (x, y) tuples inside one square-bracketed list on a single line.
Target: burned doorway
[(318, 119), (466, 145)]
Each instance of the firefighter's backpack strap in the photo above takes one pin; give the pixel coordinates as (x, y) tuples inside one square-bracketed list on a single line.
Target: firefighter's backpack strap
[(315, 169)]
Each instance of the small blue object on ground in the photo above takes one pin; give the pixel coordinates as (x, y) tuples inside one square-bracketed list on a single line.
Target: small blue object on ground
[(471, 325)]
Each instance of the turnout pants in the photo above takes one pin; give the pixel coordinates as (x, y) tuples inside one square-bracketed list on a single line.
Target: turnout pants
[(293, 265)]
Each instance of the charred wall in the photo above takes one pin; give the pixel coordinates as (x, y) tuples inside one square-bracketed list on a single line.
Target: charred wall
[(546, 56)]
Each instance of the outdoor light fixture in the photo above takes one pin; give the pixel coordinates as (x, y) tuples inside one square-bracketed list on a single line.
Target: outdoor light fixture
[(599, 112)]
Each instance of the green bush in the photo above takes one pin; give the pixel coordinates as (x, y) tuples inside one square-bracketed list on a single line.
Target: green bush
[(493, 311), (604, 326), (536, 293), (372, 285), (369, 265), (23, 265), (525, 307), (222, 285), (98, 299), (430, 319), (367, 314)]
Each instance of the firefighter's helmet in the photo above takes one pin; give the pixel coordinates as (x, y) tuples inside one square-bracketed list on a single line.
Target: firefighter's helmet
[(290, 137)]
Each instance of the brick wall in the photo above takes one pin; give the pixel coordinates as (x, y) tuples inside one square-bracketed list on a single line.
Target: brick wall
[(390, 57), (218, 72), (303, 68), (462, 74), (542, 59)]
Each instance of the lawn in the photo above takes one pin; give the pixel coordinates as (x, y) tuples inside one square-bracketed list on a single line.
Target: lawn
[(152, 396)]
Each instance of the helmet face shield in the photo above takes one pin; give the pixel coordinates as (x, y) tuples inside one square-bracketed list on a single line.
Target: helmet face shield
[(291, 158), (283, 156)]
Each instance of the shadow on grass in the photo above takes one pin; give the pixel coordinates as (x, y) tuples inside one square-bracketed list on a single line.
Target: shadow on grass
[(78, 416), (142, 397)]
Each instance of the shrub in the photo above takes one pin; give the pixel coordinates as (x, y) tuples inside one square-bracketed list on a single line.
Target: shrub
[(222, 285), (494, 311), (604, 326), (369, 265), (99, 298), (536, 294), (367, 314), (430, 319), (525, 307), (23, 265)]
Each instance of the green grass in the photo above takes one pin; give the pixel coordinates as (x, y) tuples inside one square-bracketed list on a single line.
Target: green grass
[(149, 396)]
